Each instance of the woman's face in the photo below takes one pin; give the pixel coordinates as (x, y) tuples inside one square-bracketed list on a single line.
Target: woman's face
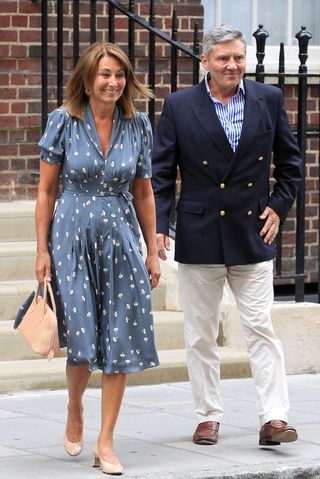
[(109, 82)]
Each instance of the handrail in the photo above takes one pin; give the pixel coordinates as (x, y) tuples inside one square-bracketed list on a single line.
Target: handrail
[(156, 31)]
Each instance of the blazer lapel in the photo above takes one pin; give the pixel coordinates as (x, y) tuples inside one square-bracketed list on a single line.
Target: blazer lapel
[(205, 113), (251, 118)]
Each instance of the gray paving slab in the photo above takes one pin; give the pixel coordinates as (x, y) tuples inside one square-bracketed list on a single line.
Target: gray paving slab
[(153, 435)]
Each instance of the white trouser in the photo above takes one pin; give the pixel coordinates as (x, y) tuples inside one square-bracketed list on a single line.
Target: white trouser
[(201, 289)]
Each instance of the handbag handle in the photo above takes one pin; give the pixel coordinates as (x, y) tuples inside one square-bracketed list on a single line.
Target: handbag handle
[(47, 287)]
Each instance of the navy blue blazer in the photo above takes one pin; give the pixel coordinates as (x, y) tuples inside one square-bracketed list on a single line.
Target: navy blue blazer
[(222, 192)]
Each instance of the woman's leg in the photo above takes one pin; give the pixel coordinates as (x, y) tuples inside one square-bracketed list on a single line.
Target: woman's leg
[(77, 380), (113, 387)]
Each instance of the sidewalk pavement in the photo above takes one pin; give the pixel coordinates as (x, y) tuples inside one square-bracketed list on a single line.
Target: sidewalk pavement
[(153, 435)]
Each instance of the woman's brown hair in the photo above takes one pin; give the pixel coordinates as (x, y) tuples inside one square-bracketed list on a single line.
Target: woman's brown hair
[(76, 99)]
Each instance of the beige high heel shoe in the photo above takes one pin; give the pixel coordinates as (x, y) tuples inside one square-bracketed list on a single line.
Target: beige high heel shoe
[(72, 448), (105, 466)]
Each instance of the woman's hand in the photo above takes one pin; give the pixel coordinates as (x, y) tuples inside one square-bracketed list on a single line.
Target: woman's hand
[(43, 267), (153, 268)]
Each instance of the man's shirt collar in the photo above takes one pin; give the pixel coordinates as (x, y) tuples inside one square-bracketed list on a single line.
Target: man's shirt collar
[(207, 78)]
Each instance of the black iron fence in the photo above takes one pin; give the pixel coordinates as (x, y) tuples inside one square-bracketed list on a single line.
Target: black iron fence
[(114, 7)]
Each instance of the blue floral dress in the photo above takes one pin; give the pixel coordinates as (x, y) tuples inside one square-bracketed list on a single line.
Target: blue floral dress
[(101, 284)]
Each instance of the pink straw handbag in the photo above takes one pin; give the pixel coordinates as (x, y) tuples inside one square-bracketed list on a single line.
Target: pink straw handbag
[(39, 324)]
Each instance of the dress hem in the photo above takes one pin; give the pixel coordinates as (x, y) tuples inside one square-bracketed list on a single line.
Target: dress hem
[(122, 370)]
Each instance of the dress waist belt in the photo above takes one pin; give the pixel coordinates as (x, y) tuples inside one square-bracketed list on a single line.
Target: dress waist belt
[(124, 194)]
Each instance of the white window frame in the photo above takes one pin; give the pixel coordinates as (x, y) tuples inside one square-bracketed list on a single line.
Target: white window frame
[(271, 59)]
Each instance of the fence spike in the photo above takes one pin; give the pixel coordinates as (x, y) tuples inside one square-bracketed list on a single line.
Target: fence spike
[(303, 38)]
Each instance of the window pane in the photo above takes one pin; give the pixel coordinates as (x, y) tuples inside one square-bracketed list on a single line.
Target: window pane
[(307, 13), (238, 17), (209, 14), (273, 15)]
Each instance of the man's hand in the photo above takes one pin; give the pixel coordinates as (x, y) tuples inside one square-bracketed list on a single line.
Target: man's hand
[(271, 226), (163, 244)]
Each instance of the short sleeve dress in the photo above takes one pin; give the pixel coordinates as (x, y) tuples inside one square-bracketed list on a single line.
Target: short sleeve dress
[(99, 277)]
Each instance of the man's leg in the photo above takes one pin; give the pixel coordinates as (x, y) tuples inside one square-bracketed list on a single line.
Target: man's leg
[(252, 286), (201, 289)]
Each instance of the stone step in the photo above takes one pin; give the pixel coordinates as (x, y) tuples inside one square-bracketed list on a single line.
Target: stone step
[(168, 331), (14, 293), (17, 221), (41, 374), (17, 259)]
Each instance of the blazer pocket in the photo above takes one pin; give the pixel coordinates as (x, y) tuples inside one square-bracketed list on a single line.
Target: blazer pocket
[(193, 207)]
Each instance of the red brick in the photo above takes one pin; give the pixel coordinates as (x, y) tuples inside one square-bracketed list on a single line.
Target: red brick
[(29, 36), (4, 164), (34, 79), (29, 64), (8, 6), (18, 79), (26, 6), (18, 51), (33, 134), (28, 149), (19, 21), (4, 79), (314, 118), (9, 150), (8, 93), (4, 52), (4, 135), (29, 121), (18, 107), (33, 163), (4, 21), (35, 21), (314, 198), (7, 36), (29, 93), (18, 164), (16, 135), (314, 91), (4, 108), (9, 65)]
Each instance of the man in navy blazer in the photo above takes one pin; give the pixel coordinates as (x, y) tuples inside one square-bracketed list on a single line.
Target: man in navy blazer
[(222, 134)]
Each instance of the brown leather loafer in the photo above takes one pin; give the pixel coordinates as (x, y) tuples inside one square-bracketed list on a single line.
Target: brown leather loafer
[(206, 433), (275, 432)]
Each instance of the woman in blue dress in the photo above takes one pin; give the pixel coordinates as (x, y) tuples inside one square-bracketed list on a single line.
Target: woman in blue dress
[(89, 246)]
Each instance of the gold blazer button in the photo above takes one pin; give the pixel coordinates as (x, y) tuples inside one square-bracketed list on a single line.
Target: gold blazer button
[(260, 158), (222, 213), (222, 186)]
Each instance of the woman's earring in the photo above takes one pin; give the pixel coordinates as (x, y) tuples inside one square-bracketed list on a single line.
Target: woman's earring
[(87, 91)]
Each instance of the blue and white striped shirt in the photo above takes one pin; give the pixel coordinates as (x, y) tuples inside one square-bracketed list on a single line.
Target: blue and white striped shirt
[(231, 114)]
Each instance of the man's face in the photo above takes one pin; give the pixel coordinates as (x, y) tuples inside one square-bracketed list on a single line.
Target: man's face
[(226, 64)]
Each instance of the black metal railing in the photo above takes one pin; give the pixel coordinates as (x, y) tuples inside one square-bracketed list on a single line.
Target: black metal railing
[(303, 38), (154, 34)]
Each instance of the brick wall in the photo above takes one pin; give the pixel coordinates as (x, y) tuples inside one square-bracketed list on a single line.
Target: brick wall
[(20, 72), (311, 187), (20, 87)]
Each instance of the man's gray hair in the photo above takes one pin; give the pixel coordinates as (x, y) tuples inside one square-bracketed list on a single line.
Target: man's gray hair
[(224, 33)]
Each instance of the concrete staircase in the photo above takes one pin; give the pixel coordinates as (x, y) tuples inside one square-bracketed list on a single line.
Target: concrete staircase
[(20, 368)]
